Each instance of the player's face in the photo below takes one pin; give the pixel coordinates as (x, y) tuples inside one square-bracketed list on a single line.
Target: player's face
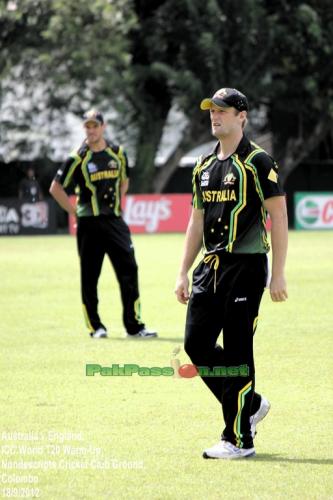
[(225, 121), (94, 132)]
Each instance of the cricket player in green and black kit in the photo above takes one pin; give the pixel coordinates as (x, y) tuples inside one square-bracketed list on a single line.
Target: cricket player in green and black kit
[(99, 171), (233, 189)]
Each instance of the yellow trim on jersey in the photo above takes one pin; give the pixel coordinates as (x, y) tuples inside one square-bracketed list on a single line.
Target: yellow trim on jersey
[(94, 202), (253, 171), (255, 323), (201, 166), (257, 149), (196, 202), (240, 205), (249, 165), (110, 152), (120, 159), (252, 168), (123, 163), (77, 160), (197, 170)]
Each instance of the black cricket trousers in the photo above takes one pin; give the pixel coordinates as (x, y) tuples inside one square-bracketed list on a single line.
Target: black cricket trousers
[(97, 236), (228, 301)]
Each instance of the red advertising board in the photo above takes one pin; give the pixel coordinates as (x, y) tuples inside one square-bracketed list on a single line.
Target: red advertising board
[(154, 213)]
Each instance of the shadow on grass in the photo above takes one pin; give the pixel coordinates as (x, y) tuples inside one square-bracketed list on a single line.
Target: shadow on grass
[(267, 457), (158, 339)]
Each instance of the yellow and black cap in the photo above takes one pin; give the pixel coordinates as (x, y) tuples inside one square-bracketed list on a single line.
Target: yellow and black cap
[(226, 98), (92, 115)]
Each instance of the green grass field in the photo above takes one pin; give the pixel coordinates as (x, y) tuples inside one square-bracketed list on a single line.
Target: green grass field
[(142, 437)]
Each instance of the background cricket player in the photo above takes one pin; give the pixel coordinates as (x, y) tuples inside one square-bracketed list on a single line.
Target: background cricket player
[(233, 187), (99, 170)]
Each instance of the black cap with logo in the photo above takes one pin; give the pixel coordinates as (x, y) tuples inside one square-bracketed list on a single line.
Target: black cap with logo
[(226, 98), (93, 116)]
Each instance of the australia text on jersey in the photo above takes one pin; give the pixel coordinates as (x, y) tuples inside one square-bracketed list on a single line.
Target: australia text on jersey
[(216, 196), (104, 174)]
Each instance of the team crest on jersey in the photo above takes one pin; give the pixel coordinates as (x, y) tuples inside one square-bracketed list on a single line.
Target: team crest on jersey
[(204, 179), (92, 167), (229, 179), (113, 164)]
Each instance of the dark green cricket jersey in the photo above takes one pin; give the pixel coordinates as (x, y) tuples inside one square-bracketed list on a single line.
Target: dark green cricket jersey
[(231, 193), (97, 178)]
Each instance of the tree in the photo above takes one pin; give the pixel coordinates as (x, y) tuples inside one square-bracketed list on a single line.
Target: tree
[(281, 57), (172, 51), (57, 57), (301, 97), (143, 57)]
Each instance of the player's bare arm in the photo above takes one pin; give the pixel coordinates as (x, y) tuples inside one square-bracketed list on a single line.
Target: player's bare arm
[(61, 197), (124, 187), (276, 207), (193, 243)]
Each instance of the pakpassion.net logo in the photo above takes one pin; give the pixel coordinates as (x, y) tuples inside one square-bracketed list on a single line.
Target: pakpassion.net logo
[(184, 371)]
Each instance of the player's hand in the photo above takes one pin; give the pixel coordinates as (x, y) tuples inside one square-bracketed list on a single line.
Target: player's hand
[(74, 216), (278, 289), (182, 289)]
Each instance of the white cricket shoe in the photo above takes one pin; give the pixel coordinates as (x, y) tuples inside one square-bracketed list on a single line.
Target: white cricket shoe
[(227, 450), (259, 415), (100, 333), (143, 333)]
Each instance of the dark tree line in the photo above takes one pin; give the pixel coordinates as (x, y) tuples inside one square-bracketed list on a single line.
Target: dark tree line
[(142, 58)]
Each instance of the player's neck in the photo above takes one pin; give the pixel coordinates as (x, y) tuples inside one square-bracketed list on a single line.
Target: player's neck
[(97, 146), (228, 145)]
